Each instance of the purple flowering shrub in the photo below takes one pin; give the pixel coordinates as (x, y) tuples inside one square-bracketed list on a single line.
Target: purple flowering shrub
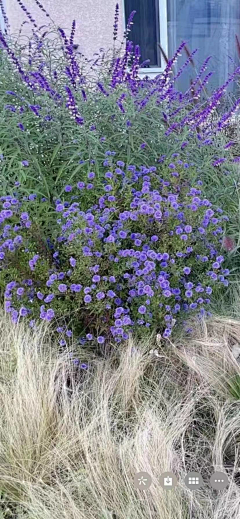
[(66, 110), (135, 258)]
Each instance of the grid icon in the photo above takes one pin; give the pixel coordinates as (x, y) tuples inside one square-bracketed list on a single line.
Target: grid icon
[(193, 481)]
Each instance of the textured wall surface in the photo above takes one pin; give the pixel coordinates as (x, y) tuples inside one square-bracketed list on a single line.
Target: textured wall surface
[(94, 19)]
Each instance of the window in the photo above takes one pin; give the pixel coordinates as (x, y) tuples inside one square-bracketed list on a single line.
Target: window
[(210, 26), (149, 30)]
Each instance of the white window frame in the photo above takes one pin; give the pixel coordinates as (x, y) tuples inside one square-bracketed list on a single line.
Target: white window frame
[(163, 27)]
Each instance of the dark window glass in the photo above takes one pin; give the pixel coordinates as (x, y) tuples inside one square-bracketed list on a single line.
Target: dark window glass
[(145, 30)]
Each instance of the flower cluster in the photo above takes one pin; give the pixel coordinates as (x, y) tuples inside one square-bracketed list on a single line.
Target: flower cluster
[(144, 252)]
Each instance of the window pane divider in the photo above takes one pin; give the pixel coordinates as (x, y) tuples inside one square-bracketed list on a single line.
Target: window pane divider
[(163, 39)]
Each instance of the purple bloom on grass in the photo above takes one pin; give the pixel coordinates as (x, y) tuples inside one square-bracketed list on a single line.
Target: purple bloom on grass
[(96, 278), (50, 314), (24, 216), (49, 298), (100, 295), (80, 185), (68, 188), (23, 311), (75, 287), (72, 262), (62, 287)]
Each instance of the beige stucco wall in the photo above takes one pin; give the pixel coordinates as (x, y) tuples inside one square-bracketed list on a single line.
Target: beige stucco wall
[(94, 19)]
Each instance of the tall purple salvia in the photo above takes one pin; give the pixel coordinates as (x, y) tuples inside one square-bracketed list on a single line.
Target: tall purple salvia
[(136, 61), (72, 71), (71, 40), (42, 82), (171, 62), (23, 7), (129, 24), (71, 105), (12, 56), (43, 10), (115, 25), (102, 89), (4, 15), (225, 118)]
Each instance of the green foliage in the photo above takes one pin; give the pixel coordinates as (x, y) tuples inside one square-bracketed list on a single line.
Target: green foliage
[(234, 386)]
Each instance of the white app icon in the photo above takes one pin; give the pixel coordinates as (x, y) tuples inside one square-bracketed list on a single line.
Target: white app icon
[(168, 482)]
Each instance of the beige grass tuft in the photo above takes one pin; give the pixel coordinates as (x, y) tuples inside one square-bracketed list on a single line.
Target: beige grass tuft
[(72, 453)]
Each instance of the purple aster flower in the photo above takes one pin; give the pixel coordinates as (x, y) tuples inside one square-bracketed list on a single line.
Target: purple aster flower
[(24, 216), (96, 278), (187, 270), (167, 293), (209, 213), (100, 295), (20, 291), (49, 298), (62, 287), (50, 314), (72, 262), (91, 175), (108, 188), (25, 163), (23, 311), (142, 309), (59, 208), (75, 287), (87, 299), (80, 185), (100, 339), (111, 294), (32, 323)]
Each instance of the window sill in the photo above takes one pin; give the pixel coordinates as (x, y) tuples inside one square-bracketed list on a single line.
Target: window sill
[(151, 72)]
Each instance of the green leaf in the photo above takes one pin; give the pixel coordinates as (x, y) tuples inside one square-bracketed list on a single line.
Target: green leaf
[(55, 152)]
